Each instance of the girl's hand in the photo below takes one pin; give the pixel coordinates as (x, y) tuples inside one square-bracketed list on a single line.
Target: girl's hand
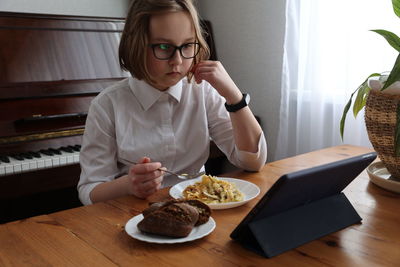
[(144, 178), (214, 73)]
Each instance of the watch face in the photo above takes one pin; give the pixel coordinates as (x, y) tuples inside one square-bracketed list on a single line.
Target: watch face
[(233, 108)]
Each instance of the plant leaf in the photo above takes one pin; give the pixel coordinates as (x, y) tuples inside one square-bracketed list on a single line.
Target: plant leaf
[(361, 98), (347, 107), (396, 7), (390, 37), (343, 119), (397, 133), (394, 74)]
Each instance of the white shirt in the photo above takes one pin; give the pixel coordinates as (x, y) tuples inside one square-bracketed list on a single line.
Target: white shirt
[(131, 119)]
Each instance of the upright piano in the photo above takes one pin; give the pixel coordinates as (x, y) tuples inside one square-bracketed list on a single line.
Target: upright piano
[(51, 67)]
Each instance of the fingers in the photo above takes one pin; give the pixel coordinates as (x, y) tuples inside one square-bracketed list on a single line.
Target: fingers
[(145, 185), (214, 73), (145, 166), (145, 178), (205, 73), (204, 67), (148, 187), (145, 160)]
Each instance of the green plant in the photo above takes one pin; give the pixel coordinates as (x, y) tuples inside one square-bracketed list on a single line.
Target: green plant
[(363, 90)]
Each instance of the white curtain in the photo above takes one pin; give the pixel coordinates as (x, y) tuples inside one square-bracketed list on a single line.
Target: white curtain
[(329, 50)]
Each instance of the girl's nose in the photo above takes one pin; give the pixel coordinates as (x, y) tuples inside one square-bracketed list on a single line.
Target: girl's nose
[(176, 59)]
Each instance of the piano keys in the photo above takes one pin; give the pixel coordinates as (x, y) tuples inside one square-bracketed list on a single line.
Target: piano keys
[(37, 160)]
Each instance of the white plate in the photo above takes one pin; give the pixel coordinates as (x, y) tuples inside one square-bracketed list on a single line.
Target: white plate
[(197, 232), (380, 176), (248, 189)]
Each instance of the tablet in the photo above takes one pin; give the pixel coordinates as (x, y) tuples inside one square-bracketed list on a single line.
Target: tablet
[(302, 187)]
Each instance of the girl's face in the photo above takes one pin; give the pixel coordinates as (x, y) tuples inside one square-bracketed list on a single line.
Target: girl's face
[(173, 28)]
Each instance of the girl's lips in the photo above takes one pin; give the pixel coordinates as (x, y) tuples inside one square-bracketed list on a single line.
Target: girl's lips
[(173, 73)]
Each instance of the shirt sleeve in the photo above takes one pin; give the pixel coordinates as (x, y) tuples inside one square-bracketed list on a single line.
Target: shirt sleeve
[(221, 132), (253, 161), (98, 152)]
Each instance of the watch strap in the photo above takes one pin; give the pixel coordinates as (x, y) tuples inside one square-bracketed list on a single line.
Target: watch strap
[(238, 106)]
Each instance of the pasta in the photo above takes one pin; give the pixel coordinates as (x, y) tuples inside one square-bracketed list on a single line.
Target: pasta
[(212, 190)]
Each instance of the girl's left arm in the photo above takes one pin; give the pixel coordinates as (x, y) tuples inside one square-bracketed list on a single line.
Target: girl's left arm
[(246, 130)]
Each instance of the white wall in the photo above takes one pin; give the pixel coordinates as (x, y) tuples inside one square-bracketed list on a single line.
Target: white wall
[(249, 38), (102, 8)]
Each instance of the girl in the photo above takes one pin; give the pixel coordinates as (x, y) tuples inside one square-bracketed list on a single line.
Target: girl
[(159, 117)]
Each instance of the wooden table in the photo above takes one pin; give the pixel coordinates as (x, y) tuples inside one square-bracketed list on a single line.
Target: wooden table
[(94, 235)]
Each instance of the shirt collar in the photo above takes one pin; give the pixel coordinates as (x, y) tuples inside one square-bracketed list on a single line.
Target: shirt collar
[(148, 95)]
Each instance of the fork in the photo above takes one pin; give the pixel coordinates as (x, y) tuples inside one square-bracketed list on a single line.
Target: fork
[(182, 176)]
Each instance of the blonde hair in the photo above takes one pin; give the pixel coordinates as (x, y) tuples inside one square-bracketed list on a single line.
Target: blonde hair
[(134, 39)]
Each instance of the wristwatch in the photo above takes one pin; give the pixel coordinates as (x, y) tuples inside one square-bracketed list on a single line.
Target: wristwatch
[(238, 106)]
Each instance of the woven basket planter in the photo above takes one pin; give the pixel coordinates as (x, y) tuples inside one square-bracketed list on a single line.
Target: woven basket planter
[(380, 120)]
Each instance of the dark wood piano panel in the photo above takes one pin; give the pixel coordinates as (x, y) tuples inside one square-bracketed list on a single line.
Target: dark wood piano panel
[(45, 48), (51, 67)]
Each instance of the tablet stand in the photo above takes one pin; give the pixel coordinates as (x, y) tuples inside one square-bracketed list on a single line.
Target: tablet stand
[(273, 235)]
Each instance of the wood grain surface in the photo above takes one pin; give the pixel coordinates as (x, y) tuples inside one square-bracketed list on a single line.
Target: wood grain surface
[(94, 235)]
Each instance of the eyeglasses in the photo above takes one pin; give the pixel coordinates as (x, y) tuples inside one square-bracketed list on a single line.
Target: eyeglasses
[(166, 51)]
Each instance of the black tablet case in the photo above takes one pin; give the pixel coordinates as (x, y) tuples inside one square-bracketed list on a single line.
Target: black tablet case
[(301, 207)]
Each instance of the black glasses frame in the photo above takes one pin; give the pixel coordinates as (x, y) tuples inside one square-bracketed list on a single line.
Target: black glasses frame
[(153, 46)]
